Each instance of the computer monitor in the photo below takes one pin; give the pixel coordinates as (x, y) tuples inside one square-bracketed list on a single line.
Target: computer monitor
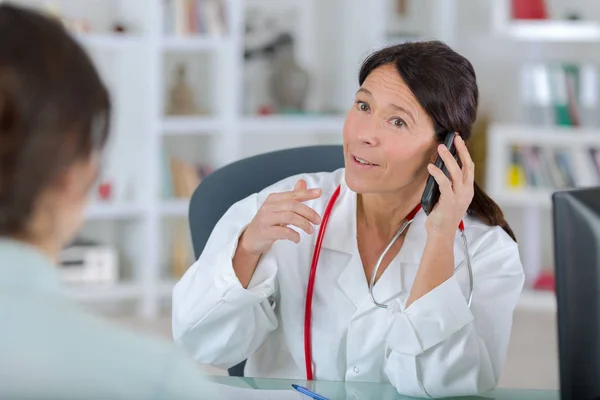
[(576, 224)]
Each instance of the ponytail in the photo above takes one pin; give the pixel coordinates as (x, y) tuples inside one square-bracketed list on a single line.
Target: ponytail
[(484, 208)]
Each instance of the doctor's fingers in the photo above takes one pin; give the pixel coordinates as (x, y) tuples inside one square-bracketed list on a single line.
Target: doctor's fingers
[(298, 194), (284, 218), (450, 163), (441, 179), (300, 209), (283, 233), (468, 168)]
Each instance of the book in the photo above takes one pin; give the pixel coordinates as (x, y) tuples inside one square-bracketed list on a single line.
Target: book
[(195, 17)]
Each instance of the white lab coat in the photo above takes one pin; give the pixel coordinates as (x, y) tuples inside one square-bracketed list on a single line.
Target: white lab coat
[(436, 347)]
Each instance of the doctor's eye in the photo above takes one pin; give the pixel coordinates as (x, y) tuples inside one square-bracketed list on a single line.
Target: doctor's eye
[(398, 122), (362, 106)]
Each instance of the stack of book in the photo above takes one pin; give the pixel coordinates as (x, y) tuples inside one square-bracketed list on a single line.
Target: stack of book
[(560, 94), (195, 17), (539, 167)]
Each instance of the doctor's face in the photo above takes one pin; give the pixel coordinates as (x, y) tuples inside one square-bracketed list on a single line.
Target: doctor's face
[(388, 136)]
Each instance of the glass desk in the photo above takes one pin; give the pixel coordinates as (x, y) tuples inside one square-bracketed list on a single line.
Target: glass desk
[(372, 391)]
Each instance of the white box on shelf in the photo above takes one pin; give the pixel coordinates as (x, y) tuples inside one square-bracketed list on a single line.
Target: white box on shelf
[(93, 264)]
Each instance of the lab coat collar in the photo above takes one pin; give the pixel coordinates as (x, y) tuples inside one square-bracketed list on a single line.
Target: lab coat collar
[(340, 236), (22, 266)]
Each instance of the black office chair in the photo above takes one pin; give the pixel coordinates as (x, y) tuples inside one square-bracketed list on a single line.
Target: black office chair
[(233, 182)]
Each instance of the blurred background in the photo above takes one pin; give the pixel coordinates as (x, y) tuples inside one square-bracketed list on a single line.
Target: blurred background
[(197, 84)]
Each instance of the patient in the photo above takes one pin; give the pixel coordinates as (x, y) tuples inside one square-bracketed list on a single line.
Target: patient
[(54, 116)]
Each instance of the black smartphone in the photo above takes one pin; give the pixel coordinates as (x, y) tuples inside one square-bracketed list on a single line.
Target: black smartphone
[(431, 195)]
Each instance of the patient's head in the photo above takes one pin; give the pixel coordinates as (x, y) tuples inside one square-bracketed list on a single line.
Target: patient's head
[(54, 116)]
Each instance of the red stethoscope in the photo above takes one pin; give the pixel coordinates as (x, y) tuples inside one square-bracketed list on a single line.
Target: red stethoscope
[(315, 261)]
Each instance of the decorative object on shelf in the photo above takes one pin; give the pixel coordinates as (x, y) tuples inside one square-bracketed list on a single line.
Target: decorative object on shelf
[(289, 82), (401, 7), (105, 191), (264, 29), (88, 262), (529, 9), (545, 281), (181, 96), (119, 28), (195, 17), (180, 250), (184, 178)]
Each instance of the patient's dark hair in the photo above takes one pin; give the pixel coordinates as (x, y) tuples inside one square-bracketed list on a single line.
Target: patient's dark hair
[(54, 110), (445, 85)]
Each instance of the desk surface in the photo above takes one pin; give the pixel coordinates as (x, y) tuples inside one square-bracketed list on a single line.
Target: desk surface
[(372, 391)]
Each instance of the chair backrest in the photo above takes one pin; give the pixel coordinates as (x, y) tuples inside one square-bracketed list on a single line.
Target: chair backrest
[(233, 182)]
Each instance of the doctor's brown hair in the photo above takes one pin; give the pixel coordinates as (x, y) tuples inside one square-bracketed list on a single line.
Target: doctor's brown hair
[(445, 85), (54, 110)]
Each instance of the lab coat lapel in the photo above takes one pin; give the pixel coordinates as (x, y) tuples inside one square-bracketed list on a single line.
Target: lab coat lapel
[(405, 265), (390, 285), (340, 238)]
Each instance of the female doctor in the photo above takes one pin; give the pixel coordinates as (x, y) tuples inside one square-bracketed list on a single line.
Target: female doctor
[(423, 327)]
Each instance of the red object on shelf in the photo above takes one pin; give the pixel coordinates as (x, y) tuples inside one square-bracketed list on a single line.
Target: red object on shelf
[(545, 282), (105, 191), (266, 110), (529, 9)]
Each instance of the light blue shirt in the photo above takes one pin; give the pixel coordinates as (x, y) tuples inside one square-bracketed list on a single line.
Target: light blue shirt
[(51, 348)]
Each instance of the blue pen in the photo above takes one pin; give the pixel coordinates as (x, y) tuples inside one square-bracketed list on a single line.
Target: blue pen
[(307, 392)]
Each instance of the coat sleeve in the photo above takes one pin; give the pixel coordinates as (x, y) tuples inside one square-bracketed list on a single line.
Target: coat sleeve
[(214, 318), (438, 346)]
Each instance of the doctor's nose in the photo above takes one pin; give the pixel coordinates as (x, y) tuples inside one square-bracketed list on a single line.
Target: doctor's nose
[(368, 139)]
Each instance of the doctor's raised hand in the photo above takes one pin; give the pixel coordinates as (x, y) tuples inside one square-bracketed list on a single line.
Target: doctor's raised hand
[(342, 275), (271, 223)]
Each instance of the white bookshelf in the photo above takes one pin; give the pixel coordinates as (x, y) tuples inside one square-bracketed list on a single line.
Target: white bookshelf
[(191, 125), (191, 44), (110, 41), (537, 301), (175, 208), (113, 212), (105, 293), (289, 125), (138, 68), (531, 202), (558, 31)]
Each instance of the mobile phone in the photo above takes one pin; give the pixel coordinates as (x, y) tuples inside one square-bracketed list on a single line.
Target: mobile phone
[(431, 194)]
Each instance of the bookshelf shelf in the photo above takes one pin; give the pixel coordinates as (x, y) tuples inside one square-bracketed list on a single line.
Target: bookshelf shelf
[(175, 208), (103, 293), (165, 288), (113, 211), (537, 300), (293, 124), (525, 197), (110, 41), (554, 31), (547, 135), (190, 125), (193, 43)]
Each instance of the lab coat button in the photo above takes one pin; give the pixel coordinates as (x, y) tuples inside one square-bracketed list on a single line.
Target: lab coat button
[(356, 369), (355, 396)]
